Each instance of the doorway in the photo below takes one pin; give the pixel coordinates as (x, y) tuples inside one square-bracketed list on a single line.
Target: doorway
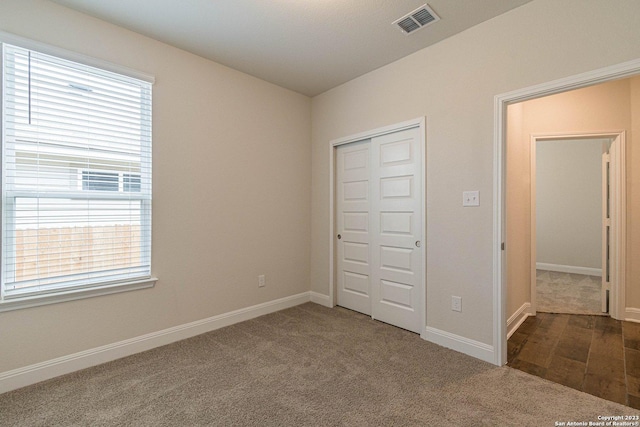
[(503, 103), (575, 197), (577, 191), (570, 348), (378, 224)]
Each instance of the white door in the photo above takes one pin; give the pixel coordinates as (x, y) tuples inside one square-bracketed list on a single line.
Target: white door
[(396, 227), (612, 190), (352, 220), (606, 230), (379, 227)]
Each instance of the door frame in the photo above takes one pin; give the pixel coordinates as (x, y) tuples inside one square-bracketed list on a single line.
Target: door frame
[(500, 104), (420, 123), (617, 294)]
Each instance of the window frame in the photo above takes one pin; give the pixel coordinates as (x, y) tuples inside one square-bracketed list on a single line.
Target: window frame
[(93, 289)]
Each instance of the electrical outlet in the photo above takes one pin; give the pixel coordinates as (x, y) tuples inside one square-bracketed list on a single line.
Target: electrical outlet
[(261, 281), (470, 198), (456, 303)]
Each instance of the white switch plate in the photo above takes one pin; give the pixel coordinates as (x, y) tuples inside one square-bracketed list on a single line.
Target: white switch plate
[(261, 281), (456, 303), (471, 198)]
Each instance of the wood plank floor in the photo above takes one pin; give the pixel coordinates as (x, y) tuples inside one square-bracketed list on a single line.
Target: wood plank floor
[(595, 354)]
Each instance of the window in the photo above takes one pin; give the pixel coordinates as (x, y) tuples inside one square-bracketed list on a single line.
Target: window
[(100, 181), (76, 179), (110, 181), (131, 183)]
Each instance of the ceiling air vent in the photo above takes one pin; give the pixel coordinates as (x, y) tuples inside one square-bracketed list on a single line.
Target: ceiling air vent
[(419, 18)]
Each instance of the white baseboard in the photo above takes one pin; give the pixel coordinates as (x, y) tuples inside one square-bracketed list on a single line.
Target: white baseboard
[(517, 318), (632, 314), (587, 271), (320, 299), (464, 345), (21, 377)]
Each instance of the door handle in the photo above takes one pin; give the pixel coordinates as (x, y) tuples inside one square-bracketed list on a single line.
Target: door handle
[(417, 243), (339, 236)]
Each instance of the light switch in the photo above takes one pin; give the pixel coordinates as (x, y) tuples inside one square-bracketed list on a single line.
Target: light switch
[(470, 198)]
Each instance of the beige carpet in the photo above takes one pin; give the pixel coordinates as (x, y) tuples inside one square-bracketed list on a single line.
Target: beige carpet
[(304, 366), (568, 293)]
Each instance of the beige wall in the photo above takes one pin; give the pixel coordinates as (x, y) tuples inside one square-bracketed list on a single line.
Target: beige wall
[(569, 202), (232, 158), (602, 108), (453, 84), (518, 217), (231, 196)]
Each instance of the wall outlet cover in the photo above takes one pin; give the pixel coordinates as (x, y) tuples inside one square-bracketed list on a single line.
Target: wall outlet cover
[(471, 198)]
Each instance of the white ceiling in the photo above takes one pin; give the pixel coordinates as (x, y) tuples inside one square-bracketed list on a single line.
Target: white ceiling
[(309, 46)]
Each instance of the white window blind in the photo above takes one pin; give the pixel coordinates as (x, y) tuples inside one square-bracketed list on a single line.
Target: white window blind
[(76, 176)]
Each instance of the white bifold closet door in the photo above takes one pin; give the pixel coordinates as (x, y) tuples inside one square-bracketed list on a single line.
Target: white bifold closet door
[(379, 224)]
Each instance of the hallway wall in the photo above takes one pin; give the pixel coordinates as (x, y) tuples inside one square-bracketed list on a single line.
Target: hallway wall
[(568, 202)]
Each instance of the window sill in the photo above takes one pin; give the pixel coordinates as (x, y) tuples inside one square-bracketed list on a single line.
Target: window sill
[(76, 294)]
